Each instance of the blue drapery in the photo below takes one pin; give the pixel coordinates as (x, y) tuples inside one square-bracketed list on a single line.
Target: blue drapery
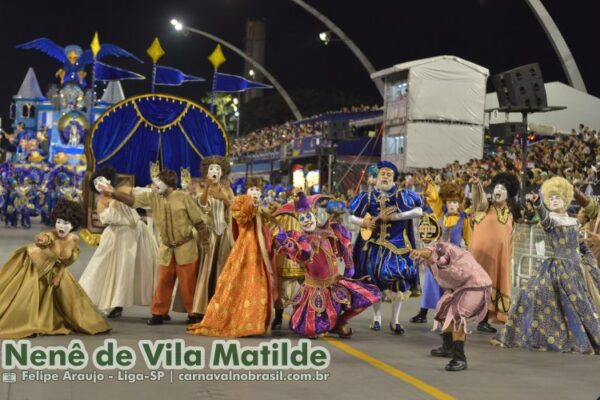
[(147, 128)]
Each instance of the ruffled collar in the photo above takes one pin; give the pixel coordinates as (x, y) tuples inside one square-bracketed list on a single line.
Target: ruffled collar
[(563, 219)]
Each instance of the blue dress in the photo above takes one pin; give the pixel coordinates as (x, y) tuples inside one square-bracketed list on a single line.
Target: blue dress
[(432, 292), (385, 257), (557, 310)]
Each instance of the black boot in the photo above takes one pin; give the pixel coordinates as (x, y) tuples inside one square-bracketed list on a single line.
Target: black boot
[(277, 321), (421, 317), (447, 346), (484, 326), (193, 319), (459, 360), (116, 312), (155, 320)]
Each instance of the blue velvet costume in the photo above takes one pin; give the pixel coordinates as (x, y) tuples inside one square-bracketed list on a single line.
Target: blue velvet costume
[(385, 257)]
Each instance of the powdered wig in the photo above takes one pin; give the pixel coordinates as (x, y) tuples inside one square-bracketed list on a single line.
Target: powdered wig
[(255, 181), (451, 191), (558, 186), (223, 162), (70, 211)]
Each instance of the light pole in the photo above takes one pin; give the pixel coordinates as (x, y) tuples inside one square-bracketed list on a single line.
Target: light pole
[(344, 38), (179, 26)]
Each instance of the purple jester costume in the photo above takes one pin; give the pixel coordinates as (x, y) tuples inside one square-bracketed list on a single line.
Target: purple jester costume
[(326, 301)]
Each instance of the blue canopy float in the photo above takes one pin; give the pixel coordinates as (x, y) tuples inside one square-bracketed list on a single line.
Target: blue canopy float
[(149, 128), (174, 131)]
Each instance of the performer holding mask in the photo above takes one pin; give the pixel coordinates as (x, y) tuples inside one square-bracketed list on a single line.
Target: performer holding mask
[(121, 272), (246, 288), (215, 198), (175, 214)]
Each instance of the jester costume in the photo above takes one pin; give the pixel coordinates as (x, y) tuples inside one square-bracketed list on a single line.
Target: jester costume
[(325, 301)]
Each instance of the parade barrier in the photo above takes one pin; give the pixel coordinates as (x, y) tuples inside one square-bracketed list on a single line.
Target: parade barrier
[(530, 249)]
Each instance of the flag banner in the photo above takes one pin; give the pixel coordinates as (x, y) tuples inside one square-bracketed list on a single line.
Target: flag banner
[(173, 76), (233, 83), (105, 72)]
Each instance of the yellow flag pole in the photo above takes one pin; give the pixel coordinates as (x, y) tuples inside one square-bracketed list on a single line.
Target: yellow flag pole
[(155, 51), (216, 58)]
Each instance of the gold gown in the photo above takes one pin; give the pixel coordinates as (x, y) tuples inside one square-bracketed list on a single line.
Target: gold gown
[(242, 302), (31, 305)]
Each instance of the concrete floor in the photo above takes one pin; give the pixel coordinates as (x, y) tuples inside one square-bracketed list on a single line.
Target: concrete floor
[(369, 366)]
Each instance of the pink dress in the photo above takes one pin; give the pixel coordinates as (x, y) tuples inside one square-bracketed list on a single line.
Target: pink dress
[(467, 286)]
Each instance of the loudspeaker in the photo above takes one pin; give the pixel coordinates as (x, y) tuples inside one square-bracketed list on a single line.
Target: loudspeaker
[(521, 88), (507, 129), (336, 130)]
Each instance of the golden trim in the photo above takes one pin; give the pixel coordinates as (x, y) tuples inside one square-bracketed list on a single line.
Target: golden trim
[(189, 140), (391, 247), (161, 127), (91, 239), (123, 143), (91, 160)]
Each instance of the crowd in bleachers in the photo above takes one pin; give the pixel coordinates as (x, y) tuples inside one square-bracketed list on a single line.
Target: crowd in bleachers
[(272, 138)]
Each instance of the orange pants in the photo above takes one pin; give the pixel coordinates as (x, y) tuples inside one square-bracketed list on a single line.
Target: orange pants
[(163, 294)]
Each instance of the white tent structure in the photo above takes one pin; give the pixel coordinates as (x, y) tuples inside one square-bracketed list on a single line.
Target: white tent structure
[(582, 108), (433, 112)]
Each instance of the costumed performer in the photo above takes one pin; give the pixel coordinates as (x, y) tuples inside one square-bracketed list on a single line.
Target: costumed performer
[(38, 295), (491, 242), (290, 273), (386, 213), (214, 197), (175, 214), (560, 308), (326, 301), (455, 228), (122, 269), (243, 299), (467, 291)]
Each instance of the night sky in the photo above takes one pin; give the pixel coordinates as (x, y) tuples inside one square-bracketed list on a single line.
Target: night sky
[(498, 34)]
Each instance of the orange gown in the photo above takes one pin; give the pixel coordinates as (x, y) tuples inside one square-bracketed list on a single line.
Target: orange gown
[(242, 303), (491, 246)]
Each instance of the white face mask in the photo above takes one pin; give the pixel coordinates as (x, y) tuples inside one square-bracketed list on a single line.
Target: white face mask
[(555, 203), (184, 186), (452, 206), (63, 228), (500, 194), (385, 180), (161, 186), (307, 221), (101, 181), (322, 217), (214, 173), (255, 193)]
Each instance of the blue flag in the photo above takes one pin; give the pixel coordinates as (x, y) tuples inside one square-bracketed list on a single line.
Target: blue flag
[(233, 83), (173, 76), (105, 72)]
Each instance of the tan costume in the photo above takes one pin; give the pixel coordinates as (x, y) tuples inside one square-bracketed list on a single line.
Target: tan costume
[(175, 215), (220, 243)]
